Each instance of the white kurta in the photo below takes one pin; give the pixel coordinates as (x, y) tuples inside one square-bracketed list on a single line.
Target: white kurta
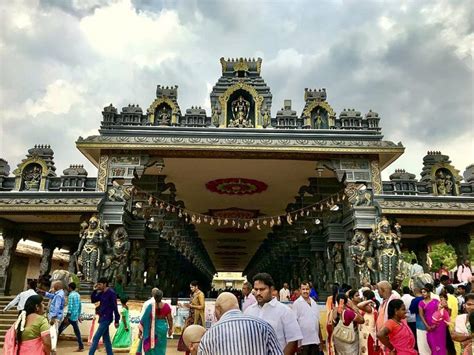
[(308, 320), (280, 317)]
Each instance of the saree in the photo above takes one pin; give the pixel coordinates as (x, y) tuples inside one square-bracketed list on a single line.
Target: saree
[(122, 338), (401, 337), (436, 337), (154, 327), (368, 334), (32, 343)]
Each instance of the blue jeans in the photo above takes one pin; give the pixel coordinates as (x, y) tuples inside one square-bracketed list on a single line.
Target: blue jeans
[(102, 332), (77, 332)]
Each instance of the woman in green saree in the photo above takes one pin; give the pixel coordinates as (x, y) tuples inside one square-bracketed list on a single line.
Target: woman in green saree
[(122, 337)]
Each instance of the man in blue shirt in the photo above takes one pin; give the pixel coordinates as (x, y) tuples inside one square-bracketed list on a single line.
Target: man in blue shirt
[(107, 312), (56, 309), (73, 314)]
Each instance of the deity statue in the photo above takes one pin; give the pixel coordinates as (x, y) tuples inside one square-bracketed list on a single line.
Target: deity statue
[(444, 183), (388, 249), (137, 263), (318, 122), (117, 251), (32, 178), (240, 113), (91, 249), (164, 117), (151, 268), (339, 273), (266, 118), (216, 116)]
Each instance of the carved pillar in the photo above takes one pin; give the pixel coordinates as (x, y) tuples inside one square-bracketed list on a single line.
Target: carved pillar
[(376, 177), (47, 256), (10, 242), (460, 243)]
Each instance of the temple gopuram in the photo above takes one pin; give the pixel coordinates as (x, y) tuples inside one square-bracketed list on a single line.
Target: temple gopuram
[(183, 194)]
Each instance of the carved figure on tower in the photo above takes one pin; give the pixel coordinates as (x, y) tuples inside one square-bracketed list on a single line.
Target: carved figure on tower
[(240, 113), (32, 178), (117, 251), (388, 249), (91, 249), (444, 183)]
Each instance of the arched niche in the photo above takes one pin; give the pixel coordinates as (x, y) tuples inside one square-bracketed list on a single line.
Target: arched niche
[(319, 115), (241, 109), (163, 114), (31, 177), (444, 182)]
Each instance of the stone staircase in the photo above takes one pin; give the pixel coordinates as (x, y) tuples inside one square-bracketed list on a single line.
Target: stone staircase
[(7, 318)]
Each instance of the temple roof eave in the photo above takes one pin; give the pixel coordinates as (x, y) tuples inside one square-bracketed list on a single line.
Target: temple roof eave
[(425, 205), (44, 201), (297, 144)]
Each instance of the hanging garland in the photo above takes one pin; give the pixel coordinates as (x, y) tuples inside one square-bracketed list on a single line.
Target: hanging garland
[(329, 203)]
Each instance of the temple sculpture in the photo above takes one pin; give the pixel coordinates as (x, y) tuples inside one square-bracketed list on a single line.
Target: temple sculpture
[(387, 249), (117, 252), (91, 250), (240, 113), (361, 250)]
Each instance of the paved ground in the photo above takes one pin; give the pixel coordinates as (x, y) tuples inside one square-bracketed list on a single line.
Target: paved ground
[(67, 347)]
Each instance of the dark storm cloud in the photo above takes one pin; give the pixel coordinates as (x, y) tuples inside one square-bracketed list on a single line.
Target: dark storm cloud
[(405, 60)]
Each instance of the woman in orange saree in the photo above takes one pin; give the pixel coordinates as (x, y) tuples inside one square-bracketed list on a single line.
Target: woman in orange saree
[(30, 333)]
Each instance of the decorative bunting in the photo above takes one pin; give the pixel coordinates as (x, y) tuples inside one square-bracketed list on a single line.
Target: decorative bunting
[(330, 203)]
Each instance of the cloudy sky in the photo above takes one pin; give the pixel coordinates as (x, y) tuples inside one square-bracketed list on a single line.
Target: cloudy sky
[(62, 61)]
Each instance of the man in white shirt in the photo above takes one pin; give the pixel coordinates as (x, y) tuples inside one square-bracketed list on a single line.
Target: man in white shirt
[(464, 272), (20, 299), (249, 299), (411, 318), (285, 294), (280, 317), (415, 268), (307, 315), (444, 281)]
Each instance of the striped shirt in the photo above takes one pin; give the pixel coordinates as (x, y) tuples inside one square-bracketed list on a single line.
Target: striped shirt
[(238, 334)]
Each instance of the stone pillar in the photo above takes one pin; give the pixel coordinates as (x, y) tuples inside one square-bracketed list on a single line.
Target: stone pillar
[(460, 243), (48, 249), (421, 252), (10, 242)]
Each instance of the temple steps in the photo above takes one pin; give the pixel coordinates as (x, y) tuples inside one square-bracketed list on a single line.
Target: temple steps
[(9, 317), (6, 318)]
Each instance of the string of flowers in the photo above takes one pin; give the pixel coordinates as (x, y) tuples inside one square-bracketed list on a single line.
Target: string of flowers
[(329, 203)]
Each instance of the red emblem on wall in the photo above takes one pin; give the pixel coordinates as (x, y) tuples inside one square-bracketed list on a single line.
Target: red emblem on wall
[(236, 186)]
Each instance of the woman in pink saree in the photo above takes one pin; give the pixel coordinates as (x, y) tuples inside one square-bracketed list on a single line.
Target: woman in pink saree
[(30, 333), (436, 335)]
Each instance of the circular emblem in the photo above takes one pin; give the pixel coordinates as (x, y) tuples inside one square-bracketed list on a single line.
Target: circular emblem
[(236, 186)]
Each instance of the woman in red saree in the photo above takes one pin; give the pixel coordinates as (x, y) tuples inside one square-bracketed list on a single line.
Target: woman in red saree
[(396, 335), (30, 333)]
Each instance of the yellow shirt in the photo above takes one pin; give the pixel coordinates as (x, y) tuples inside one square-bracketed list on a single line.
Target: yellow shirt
[(453, 306)]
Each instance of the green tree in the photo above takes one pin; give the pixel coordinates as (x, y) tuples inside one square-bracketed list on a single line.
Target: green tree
[(442, 254)]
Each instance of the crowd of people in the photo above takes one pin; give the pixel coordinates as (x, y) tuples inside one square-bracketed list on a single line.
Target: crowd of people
[(375, 319)]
